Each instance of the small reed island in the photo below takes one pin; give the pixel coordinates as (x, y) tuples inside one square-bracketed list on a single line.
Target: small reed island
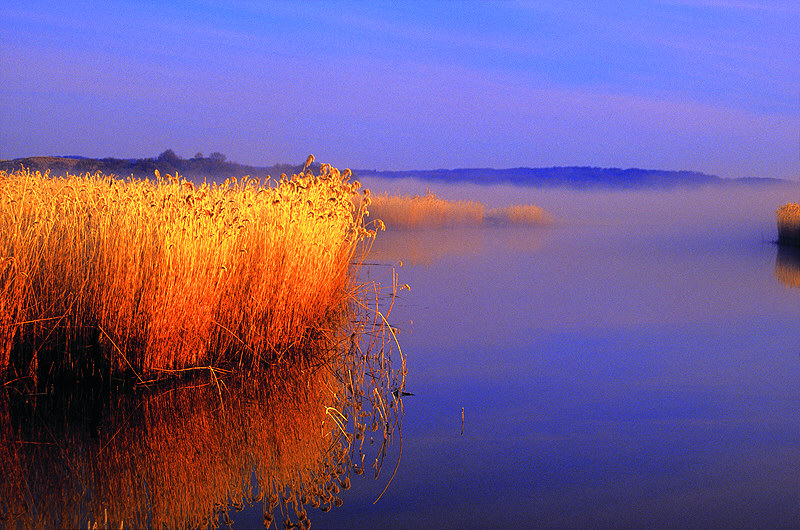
[(789, 224)]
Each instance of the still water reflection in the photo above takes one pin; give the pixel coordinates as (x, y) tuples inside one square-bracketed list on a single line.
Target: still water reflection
[(787, 266), (194, 455)]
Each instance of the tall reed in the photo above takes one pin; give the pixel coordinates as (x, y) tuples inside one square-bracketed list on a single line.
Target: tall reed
[(101, 274)]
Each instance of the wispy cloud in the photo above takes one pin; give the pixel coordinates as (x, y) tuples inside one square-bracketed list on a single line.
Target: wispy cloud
[(775, 7)]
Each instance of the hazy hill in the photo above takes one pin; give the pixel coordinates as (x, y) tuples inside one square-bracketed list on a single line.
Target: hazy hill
[(217, 167)]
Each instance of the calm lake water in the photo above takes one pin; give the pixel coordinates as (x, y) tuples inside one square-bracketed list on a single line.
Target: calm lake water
[(637, 364)]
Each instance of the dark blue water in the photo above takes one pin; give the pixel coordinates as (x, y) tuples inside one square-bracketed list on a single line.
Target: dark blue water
[(641, 370)]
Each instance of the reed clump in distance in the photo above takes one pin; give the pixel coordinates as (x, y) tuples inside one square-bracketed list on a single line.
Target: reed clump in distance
[(431, 211), (789, 224), (97, 273)]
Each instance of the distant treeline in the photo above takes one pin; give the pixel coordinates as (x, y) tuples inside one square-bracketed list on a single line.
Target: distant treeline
[(570, 177), (213, 167)]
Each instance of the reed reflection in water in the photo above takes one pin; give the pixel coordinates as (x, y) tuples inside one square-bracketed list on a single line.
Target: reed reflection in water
[(188, 454), (787, 266)]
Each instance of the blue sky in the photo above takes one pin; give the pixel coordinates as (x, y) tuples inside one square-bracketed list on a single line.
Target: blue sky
[(707, 85)]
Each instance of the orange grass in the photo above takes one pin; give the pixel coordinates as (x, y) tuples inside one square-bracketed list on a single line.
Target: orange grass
[(429, 210), (789, 224), (150, 275)]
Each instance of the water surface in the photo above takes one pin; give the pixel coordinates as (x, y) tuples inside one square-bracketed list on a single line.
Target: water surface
[(638, 368)]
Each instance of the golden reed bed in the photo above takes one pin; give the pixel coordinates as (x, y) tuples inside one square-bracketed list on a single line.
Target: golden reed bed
[(102, 274), (101, 278)]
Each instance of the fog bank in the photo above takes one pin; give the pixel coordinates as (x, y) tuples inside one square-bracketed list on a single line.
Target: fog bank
[(724, 208)]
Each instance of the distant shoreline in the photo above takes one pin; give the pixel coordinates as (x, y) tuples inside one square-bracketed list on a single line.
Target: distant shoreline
[(217, 167), (574, 177)]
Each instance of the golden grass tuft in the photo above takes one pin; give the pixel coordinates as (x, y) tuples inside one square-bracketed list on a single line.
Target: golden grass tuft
[(97, 273)]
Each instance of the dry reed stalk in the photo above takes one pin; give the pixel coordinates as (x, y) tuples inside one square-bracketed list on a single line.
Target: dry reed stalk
[(238, 274)]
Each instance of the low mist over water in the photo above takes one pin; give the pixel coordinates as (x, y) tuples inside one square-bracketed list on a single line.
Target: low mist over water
[(708, 207)]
